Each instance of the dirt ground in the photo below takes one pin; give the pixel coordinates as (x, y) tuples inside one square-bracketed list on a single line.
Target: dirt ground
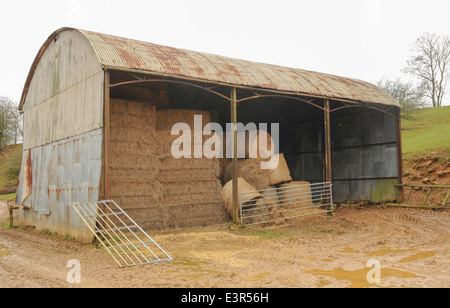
[(411, 247), (4, 213)]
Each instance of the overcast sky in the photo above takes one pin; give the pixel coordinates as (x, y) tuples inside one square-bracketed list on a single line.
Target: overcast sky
[(363, 39)]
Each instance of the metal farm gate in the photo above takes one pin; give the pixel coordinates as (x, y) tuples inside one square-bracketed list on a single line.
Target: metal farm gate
[(269, 205), (124, 240)]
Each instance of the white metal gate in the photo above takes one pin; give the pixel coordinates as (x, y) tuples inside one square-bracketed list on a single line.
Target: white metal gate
[(125, 241), (264, 206)]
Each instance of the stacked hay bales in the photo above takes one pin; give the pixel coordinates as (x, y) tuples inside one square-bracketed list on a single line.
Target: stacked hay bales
[(157, 190)]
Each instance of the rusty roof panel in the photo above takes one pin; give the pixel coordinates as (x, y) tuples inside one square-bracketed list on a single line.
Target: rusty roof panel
[(127, 54)]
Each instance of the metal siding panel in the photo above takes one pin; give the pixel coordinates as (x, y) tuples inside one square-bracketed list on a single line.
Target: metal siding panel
[(57, 181), (367, 190)]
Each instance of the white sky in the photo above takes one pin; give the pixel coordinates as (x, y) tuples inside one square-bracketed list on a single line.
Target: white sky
[(363, 39)]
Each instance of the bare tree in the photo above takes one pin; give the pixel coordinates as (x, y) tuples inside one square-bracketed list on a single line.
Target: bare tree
[(430, 63), (407, 94), (10, 122)]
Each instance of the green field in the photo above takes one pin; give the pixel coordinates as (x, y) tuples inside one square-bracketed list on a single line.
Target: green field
[(10, 160), (426, 130)]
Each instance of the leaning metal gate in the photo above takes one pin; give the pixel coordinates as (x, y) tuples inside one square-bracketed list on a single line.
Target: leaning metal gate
[(270, 205), (124, 240)]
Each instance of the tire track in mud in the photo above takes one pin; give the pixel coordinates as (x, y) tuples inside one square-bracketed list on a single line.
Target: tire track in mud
[(417, 220)]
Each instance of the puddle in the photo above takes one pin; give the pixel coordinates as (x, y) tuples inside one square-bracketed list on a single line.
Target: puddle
[(388, 250), (418, 256), (358, 278), (3, 251), (347, 250)]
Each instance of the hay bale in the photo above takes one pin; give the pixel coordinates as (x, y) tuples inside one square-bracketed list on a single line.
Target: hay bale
[(166, 118), (295, 194), (279, 173), (164, 141), (243, 186), (271, 196), (128, 113), (250, 170), (155, 94), (133, 161), (196, 191), (249, 145)]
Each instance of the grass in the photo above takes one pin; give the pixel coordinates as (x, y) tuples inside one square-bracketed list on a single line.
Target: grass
[(426, 130), (10, 160), (8, 197)]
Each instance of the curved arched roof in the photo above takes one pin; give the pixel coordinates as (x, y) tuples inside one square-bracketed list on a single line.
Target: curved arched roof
[(124, 54)]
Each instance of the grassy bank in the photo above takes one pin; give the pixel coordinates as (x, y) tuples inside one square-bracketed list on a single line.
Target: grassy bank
[(425, 131), (10, 160)]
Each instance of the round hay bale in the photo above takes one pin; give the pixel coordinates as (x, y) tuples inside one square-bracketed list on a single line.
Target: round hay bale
[(250, 170), (280, 172), (271, 196), (295, 194), (243, 186), (255, 144), (251, 144)]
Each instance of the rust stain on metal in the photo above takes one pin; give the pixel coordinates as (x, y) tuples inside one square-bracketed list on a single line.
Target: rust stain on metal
[(29, 171), (125, 54)]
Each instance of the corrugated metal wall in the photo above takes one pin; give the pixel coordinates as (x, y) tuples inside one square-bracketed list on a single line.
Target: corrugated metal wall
[(364, 157), (65, 97), (364, 154), (57, 175), (63, 119)]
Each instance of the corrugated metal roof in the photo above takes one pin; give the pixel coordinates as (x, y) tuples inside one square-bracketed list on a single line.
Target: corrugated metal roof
[(126, 54)]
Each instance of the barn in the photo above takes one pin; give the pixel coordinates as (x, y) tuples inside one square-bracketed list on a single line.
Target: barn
[(98, 112)]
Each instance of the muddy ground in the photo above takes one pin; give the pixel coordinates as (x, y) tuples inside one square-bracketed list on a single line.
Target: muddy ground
[(411, 246)]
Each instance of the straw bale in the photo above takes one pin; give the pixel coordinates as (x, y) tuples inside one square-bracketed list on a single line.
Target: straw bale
[(280, 173), (243, 186), (185, 175), (250, 170), (271, 196), (152, 190), (158, 217), (248, 145), (166, 118), (132, 107), (171, 163), (297, 197), (165, 139), (191, 191), (155, 94), (255, 144), (139, 147), (132, 135), (133, 175), (133, 161)]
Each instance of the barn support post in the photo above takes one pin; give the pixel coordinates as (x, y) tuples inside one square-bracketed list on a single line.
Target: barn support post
[(400, 191), (236, 205), (327, 148), (106, 136)]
